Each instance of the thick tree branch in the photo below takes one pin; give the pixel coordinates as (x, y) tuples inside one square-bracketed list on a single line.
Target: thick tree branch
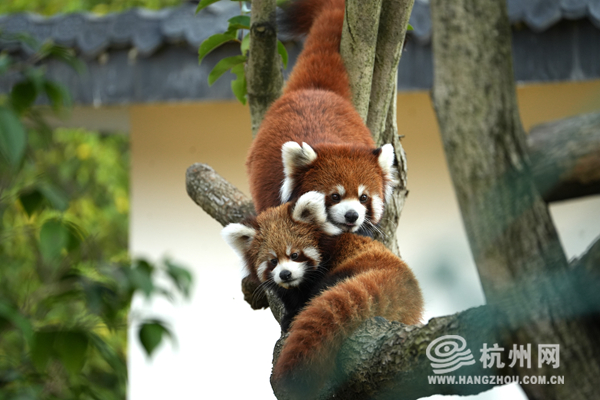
[(219, 198), (381, 118), (390, 41), (510, 231), (359, 42), (565, 157), (388, 226), (263, 70)]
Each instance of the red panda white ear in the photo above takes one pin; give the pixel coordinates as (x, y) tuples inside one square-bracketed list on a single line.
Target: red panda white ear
[(311, 209), (294, 156), (239, 237), (386, 160)]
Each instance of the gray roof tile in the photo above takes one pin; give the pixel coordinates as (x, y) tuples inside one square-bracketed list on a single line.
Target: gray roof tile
[(148, 30), (543, 14), (594, 12), (574, 9), (95, 36)]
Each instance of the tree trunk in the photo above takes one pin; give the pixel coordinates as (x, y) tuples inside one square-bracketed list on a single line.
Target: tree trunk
[(513, 241), (263, 70)]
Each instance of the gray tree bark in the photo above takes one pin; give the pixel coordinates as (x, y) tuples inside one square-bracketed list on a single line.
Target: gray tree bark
[(565, 156), (264, 70), (358, 45)]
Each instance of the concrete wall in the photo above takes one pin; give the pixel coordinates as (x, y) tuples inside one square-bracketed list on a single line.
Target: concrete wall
[(223, 348)]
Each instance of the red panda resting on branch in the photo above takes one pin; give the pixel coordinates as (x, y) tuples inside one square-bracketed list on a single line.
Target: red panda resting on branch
[(346, 280), (325, 145)]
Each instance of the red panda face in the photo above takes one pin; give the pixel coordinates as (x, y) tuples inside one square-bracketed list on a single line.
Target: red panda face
[(281, 245), (356, 181)]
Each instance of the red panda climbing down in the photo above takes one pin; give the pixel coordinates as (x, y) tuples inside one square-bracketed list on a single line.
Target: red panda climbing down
[(349, 278), (313, 127)]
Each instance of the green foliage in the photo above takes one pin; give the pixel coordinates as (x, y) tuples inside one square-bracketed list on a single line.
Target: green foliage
[(66, 282), (238, 30), (50, 7)]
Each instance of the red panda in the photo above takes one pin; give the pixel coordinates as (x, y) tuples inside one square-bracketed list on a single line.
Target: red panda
[(356, 278), (280, 249), (321, 139)]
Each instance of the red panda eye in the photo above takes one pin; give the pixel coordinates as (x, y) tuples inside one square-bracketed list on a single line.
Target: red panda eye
[(294, 256), (336, 197), (274, 262), (363, 198)]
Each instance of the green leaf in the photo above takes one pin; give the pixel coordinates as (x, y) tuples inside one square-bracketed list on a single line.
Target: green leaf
[(283, 53), (239, 22), (54, 236), (204, 4), (212, 43), (67, 56), (410, 28), (76, 235), (58, 96), (22, 95), (180, 276), (13, 137), (31, 200), (10, 314), (42, 348), (238, 86), (151, 334), (55, 196), (245, 46), (5, 62), (108, 353), (71, 348), (140, 277), (222, 67)]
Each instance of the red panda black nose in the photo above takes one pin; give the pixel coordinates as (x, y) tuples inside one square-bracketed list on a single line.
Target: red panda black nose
[(351, 216), (285, 275)]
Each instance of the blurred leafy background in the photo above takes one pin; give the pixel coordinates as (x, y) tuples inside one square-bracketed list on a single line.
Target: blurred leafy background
[(50, 7), (66, 280)]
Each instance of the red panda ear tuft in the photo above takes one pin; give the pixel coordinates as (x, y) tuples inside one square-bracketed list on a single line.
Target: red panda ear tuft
[(311, 209), (239, 237), (294, 156), (386, 159)]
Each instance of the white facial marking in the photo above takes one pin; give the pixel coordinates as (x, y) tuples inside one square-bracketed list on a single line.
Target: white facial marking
[(294, 156), (260, 271), (361, 189), (313, 254), (286, 189), (340, 190), (338, 214), (271, 252), (297, 270), (239, 237), (288, 250), (386, 162), (377, 207)]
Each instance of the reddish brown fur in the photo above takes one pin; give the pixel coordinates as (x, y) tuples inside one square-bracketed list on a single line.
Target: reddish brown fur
[(275, 231), (378, 284), (315, 109)]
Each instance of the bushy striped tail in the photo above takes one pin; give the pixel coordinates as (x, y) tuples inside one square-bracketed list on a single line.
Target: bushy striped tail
[(320, 65), (308, 357)]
